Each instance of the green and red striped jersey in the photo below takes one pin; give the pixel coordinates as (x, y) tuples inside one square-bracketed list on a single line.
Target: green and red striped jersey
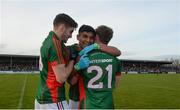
[(53, 52)]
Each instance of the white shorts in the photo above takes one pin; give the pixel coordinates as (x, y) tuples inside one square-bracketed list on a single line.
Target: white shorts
[(58, 106), (73, 104)]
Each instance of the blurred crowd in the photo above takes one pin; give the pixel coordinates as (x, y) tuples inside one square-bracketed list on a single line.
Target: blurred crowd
[(149, 69), (18, 67), (125, 68)]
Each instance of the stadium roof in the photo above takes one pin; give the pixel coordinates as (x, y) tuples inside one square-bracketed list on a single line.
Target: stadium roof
[(15, 55)]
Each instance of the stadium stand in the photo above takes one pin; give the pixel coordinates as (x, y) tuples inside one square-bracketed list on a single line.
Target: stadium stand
[(148, 66), (19, 63), (30, 63)]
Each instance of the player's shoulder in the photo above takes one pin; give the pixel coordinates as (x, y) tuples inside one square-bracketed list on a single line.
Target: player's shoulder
[(50, 42), (49, 39), (47, 43), (99, 53)]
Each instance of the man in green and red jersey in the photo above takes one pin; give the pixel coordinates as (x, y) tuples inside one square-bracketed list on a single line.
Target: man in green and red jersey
[(55, 66), (100, 77), (86, 35)]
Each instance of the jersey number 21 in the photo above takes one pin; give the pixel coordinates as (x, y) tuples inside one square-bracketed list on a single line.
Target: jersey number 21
[(99, 74)]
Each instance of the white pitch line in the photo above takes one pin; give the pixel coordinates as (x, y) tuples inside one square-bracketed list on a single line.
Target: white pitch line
[(22, 93)]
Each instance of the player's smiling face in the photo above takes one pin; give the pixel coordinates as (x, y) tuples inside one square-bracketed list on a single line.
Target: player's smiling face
[(85, 38), (67, 34)]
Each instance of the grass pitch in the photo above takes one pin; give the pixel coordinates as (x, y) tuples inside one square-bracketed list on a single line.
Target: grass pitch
[(134, 91)]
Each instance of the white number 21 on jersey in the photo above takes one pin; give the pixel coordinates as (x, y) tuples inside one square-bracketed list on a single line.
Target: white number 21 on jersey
[(99, 74)]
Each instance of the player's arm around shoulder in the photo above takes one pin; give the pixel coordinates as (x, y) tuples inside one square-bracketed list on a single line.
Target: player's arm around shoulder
[(110, 49)]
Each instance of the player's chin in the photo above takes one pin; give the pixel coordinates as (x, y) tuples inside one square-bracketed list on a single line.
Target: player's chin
[(65, 41), (85, 45)]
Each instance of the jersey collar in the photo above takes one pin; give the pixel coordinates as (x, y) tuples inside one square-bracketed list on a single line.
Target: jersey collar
[(51, 33)]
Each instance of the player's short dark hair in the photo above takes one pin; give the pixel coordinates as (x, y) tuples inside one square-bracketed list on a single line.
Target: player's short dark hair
[(87, 28), (64, 19), (105, 33)]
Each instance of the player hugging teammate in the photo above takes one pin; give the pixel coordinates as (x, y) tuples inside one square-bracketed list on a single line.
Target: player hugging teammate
[(90, 67)]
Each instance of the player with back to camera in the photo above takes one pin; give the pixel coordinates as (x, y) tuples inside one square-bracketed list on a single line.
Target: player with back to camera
[(86, 35), (100, 77)]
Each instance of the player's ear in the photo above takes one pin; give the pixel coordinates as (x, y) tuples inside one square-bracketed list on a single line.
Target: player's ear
[(60, 27), (63, 27)]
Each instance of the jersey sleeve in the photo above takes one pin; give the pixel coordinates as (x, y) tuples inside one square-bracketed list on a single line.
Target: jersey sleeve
[(55, 55), (119, 68)]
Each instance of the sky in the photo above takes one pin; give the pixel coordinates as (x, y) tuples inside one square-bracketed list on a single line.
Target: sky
[(143, 29)]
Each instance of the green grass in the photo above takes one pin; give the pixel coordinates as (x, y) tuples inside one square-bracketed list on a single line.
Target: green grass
[(134, 91), (11, 88), (148, 91)]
